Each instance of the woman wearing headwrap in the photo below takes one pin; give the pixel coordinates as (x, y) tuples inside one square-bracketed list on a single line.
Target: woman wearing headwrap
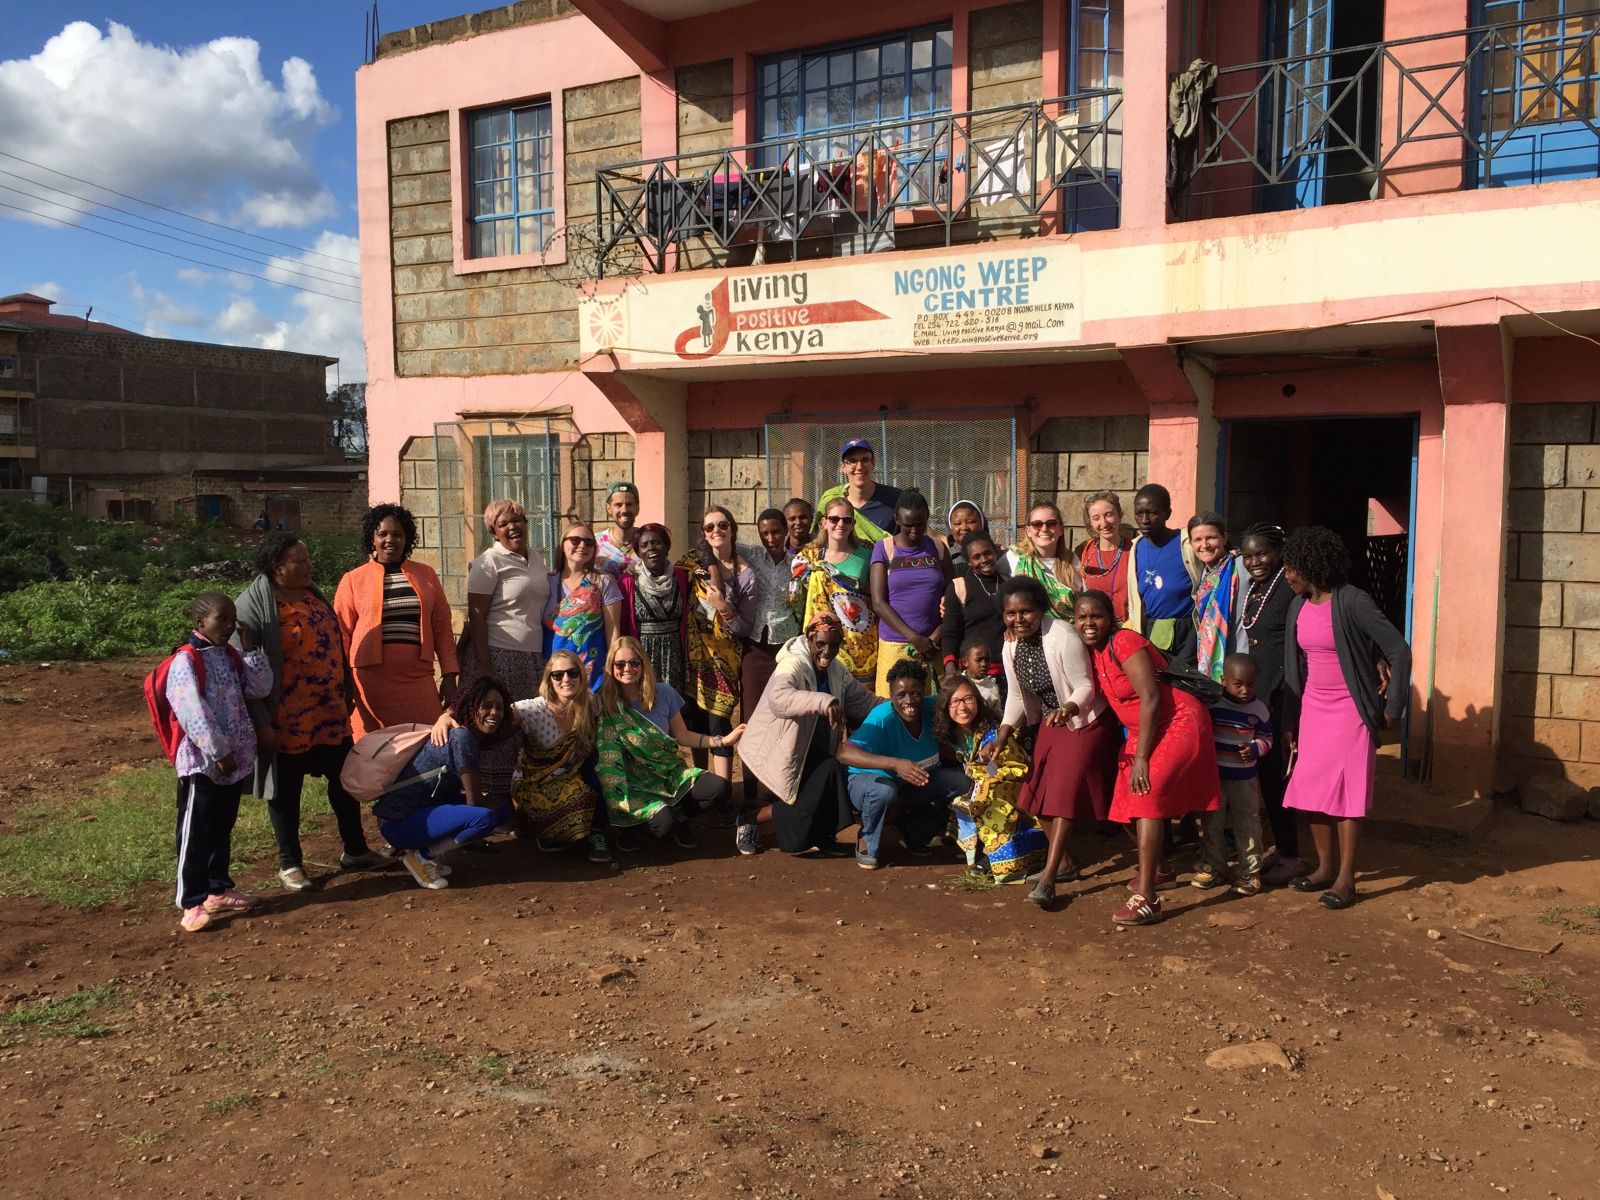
[(793, 735), (964, 518)]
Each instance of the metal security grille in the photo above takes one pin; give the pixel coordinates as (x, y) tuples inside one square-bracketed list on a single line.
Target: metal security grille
[(479, 461), (949, 455)]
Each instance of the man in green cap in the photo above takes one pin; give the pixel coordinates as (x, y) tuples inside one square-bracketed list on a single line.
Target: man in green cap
[(615, 547)]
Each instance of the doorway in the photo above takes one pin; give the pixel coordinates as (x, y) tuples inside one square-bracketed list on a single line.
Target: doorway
[(1353, 474)]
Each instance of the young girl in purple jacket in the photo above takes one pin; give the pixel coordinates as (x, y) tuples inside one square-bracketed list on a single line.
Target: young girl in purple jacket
[(215, 757)]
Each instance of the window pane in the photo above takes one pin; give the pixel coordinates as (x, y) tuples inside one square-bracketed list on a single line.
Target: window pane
[(941, 91), (941, 47), (1091, 31), (921, 92), (867, 101), (894, 57), (922, 51), (839, 69), (839, 106), (1091, 71), (866, 62), (816, 73), (527, 194), (483, 200), (769, 119), (816, 110), (893, 100), (530, 230)]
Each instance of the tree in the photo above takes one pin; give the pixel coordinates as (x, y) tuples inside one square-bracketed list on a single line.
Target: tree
[(349, 404)]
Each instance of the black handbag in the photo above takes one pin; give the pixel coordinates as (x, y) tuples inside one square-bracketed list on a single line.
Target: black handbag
[(1186, 679)]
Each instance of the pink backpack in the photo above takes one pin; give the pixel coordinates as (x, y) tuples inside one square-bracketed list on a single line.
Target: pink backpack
[(373, 764)]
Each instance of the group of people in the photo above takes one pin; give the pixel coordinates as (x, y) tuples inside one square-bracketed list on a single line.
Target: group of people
[(870, 671)]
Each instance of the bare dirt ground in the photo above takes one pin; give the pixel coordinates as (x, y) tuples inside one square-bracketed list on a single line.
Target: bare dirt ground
[(710, 1025)]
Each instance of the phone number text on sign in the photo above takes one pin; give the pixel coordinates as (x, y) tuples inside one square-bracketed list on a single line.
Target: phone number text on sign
[(978, 326)]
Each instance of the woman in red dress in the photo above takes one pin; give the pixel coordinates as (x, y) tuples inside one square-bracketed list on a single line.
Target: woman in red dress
[(1169, 765)]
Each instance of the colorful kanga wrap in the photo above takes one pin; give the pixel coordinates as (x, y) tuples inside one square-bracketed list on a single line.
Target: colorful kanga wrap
[(1061, 597), (816, 586), (579, 623), (312, 711), (714, 652), (639, 767), (987, 818), (1213, 607), (866, 530), (552, 795)]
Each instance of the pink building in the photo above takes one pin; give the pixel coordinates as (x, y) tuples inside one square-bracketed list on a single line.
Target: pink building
[(1350, 278)]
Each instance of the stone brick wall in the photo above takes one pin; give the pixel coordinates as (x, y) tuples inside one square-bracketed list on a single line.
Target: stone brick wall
[(728, 467), (1006, 57), (487, 323), (1550, 721), (705, 107), (1070, 457), (598, 461), (453, 29)]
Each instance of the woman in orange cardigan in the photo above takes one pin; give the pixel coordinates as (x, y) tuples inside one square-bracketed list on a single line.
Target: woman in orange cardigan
[(395, 621)]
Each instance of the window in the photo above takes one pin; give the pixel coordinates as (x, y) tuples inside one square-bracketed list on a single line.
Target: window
[(8, 366), (1554, 44), (12, 476), (512, 205), (1097, 61), (525, 468), (835, 90)]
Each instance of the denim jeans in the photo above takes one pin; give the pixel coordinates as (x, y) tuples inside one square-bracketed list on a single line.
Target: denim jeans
[(921, 812)]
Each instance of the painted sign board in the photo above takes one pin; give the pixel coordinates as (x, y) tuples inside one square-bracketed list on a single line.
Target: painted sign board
[(1011, 298)]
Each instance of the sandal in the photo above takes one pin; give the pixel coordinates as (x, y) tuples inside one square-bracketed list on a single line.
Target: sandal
[(1306, 884), (1333, 900), (1139, 910)]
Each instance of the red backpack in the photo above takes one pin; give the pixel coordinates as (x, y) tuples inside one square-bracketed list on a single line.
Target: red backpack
[(168, 732)]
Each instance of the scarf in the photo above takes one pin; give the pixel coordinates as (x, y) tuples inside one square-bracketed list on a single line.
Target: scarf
[(1214, 617)]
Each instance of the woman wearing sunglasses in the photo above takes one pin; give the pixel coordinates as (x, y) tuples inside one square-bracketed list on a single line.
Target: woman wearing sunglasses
[(833, 576), (585, 604), (722, 609), (1045, 554), (640, 728)]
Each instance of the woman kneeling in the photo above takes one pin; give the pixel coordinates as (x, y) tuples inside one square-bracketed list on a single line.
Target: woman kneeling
[(999, 839), (444, 804)]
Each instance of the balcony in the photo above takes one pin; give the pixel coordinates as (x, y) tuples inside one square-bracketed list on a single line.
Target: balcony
[(1045, 167), (1494, 106)]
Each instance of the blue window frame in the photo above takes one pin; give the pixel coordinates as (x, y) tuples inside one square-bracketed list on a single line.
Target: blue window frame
[(823, 93), (1538, 111), (512, 197), (1094, 64), (1097, 45)]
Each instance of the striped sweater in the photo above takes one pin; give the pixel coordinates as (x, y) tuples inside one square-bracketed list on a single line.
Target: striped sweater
[(1236, 726)]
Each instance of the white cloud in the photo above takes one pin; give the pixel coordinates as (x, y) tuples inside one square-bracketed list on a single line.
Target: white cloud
[(317, 324), (198, 127), (49, 289), (194, 276), (160, 312)]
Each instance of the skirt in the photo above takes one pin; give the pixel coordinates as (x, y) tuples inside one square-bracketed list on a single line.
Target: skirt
[(1183, 769), (820, 811), (519, 670), (400, 691), (1337, 758), (1074, 771), (890, 653)]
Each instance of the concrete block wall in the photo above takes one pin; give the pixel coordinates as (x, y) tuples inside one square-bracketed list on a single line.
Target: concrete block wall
[(1006, 57), (728, 467), (1071, 457), (418, 477), (453, 29), (598, 461), (1550, 719)]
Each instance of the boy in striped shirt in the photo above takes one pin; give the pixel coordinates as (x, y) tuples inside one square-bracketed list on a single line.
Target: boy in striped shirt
[(1242, 728)]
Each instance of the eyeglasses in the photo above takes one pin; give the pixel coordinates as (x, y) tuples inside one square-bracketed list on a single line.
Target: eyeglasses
[(580, 541), (716, 526), (962, 700), (1044, 524), (627, 664), (567, 673), (836, 519)]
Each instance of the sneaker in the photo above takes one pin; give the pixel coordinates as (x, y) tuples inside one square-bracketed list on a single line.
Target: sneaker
[(294, 878), (599, 852), (232, 900), (423, 870), (387, 851), (1165, 881), (364, 861), (627, 843), (442, 867), (746, 840), (1206, 878), (1139, 910), (195, 919), (867, 862), (684, 836)]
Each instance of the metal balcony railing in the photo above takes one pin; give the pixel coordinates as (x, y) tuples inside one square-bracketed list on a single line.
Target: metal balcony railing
[(1491, 106), (955, 177)]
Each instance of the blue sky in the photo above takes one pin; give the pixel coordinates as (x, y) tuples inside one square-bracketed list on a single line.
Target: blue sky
[(243, 114)]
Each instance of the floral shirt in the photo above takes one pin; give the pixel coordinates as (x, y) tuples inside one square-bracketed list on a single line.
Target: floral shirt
[(214, 719), (312, 710)]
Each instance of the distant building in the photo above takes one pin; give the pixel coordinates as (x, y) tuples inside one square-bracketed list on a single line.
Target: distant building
[(1299, 261), (125, 426)]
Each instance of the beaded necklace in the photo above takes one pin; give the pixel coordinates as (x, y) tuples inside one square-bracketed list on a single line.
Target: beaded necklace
[(1249, 621), (1100, 557)]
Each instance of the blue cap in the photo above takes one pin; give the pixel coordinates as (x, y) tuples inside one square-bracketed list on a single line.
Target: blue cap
[(856, 444)]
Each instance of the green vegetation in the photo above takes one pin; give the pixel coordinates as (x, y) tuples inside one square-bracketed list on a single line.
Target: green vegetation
[(229, 1103), (121, 836), (1537, 988), (1583, 919), (128, 585), (65, 1016), (493, 1065)]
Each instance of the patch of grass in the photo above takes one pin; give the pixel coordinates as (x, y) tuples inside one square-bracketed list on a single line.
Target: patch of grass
[(64, 1016), (232, 1102), (145, 1137), (1537, 988), (120, 837), (493, 1065), (1583, 919), (218, 995), (971, 881)]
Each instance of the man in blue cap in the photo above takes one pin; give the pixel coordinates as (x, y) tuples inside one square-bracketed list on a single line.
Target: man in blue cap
[(874, 502)]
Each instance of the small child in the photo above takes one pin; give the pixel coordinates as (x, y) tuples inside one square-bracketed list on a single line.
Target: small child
[(976, 657), (215, 757), (1242, 728)]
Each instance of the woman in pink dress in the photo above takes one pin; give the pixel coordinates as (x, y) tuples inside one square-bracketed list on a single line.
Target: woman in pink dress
[(1351, 671), (1168, 766)]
